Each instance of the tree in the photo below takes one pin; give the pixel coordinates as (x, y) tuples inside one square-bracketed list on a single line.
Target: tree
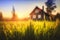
[(50, 5)]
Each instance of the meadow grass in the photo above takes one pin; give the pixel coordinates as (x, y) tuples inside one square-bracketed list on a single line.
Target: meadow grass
[(29, 30)]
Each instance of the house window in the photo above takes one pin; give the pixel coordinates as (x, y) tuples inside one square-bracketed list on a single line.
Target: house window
[(36, 11), (39, 16), (34, 16)]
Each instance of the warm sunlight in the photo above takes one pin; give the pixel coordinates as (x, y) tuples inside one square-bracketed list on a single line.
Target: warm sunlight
[(29, 19), (22, 8)]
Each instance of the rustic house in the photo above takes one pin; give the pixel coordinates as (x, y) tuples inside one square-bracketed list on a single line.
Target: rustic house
[(39, 14)]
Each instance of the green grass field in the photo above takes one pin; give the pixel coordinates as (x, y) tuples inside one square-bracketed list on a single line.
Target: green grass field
[(29, 30)]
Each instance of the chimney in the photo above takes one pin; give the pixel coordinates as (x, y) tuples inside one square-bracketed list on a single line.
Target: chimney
[(43, 8)]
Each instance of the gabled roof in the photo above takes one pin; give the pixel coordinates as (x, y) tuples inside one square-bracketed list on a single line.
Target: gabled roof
[(35, 9)]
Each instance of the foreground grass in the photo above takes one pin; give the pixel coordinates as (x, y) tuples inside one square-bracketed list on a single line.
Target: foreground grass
[(29, 30)]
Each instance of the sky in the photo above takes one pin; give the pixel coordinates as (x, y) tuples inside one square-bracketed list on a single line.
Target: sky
[(23, 7)]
